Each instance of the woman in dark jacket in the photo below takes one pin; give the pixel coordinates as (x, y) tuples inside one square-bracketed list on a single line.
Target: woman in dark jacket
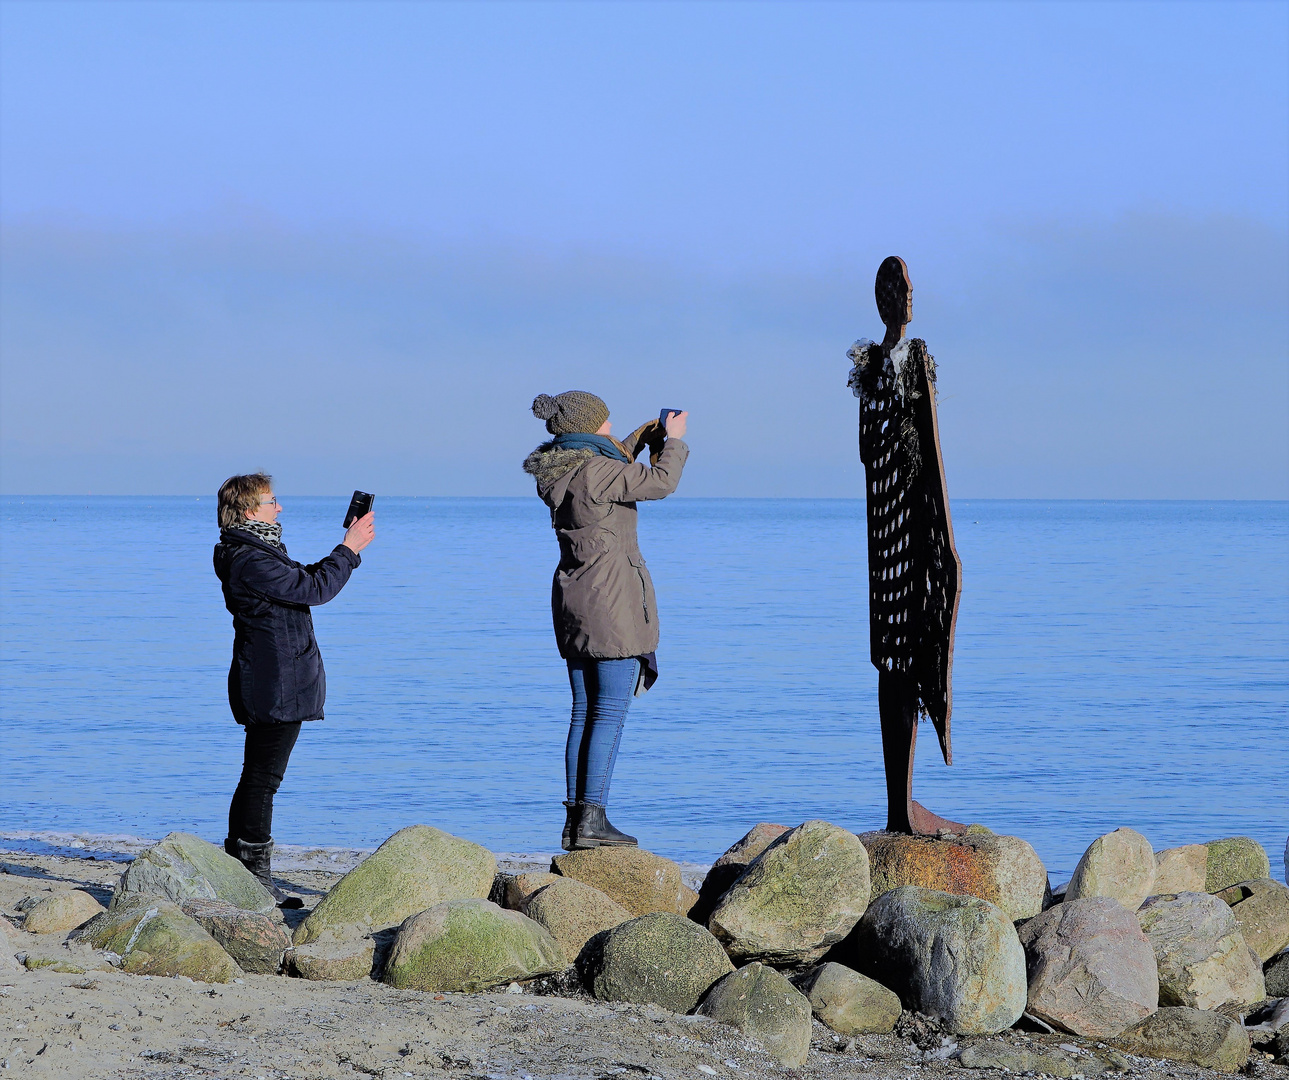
[(602, 598), (276, 681)]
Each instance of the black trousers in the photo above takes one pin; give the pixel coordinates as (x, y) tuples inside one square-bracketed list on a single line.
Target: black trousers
[(268, 748)]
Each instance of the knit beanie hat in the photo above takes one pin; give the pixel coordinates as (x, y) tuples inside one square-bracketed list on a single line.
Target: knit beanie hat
[(574, 411)]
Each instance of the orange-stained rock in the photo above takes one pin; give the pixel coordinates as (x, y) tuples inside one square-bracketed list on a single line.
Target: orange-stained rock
[(1004, 870)]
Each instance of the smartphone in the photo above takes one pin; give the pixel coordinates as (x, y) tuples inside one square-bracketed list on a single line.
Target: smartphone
[(662, 416), (359, 506)]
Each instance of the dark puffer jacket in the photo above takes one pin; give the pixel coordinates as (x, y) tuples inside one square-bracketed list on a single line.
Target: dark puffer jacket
[(276, 676)]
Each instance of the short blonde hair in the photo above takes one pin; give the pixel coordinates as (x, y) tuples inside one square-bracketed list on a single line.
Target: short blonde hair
[(239, 495)]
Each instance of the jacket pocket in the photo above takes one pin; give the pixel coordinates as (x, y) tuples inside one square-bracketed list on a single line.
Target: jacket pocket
[(638, 564)]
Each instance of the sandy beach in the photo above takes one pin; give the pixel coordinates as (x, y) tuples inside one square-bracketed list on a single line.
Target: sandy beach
[(106, 1024)]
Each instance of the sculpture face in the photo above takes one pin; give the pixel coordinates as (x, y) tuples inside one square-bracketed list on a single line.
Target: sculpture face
[(894, 293)]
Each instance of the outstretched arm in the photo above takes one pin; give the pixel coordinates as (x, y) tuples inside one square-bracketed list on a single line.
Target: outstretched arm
[(637, 482), (290, 583)]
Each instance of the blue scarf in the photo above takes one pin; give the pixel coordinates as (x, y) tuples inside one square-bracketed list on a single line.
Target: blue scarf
[(577, 441)]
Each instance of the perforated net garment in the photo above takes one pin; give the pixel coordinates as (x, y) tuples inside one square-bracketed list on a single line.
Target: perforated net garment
[(914, 576)]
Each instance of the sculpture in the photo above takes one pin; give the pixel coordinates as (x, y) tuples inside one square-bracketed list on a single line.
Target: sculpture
[(914, 575)]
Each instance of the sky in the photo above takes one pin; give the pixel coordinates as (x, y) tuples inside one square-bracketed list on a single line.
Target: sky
[(349, 242)]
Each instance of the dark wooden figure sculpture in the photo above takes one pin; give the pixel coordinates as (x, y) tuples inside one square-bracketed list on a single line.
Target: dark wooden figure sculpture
[(914, 576)]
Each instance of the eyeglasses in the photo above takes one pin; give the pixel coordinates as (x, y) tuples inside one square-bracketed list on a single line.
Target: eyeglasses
[(269, 502)]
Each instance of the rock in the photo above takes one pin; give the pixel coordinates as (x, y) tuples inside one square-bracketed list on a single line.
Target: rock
[(1046, 1060), (1202, 958), (466, 946), (257, 942), (1120, 864), (415, 869), (955, 958), (639, 880), (1276, 974), (1181, 869), (796, 899), (573, 912), (760, 1002), (848, 1002), (1091, 969), (685, 900), (661, 958), (185, 867), (1261, 909), (1004, 870), (61, 912), (1235, 859), (1206, 1039), (335, 957), (154, 937), (726, 870), (519, 887)]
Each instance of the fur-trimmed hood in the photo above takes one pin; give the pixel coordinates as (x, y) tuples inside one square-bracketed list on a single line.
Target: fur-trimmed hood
[(549, 464)]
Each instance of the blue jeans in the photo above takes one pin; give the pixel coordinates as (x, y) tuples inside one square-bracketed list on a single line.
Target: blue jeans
[(602, 691)]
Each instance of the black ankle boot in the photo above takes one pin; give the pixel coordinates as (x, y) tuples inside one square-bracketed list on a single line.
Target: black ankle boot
[(258, 858), (595, 830), (572, 817)]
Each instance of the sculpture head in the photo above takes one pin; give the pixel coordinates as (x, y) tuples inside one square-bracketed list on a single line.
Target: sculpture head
[(894, 294)]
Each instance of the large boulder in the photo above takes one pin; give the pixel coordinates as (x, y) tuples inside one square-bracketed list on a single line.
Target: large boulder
[(760, 1002), (799, 897), (516, 888), (1004, 870), (154, 937), (1091, 969), (727, 869), (1202, 957), (1181, 869), (1207, 1039), (185, 867), (1261, 909), (257, 942), (415, 869), (954, 958), (1276, 974), (848, 1002), (335, 957), (662, 958), (639, 880), (61, 911), (573, 912), (1232, 860), (1120, 864), (467, 946)]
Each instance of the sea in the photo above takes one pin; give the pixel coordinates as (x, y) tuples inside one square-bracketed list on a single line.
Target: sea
[(1117, 664)]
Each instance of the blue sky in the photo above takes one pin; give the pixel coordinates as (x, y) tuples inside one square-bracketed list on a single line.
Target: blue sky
[(349, 242)]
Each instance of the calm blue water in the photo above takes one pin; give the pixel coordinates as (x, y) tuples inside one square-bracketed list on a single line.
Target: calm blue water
[(1117, 664)]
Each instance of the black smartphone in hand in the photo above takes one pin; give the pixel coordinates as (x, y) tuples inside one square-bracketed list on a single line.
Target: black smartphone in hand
[(662, 416), (359, 506)]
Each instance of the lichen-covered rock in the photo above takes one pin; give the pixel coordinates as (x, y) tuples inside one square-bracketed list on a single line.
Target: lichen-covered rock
[(60, 912), (154, 937), (185, 867), (335, 957), (727, 869), (1276, 974), (1120, 865), (1181, 869), (848, 1002), (1004, 870), (760, 1002), (1207, 1039), (1201, 955), (1235, 859), (467, 946), (1091, 970), (573, 912), (639, 880), (1039, 1061), (799, 897), (1261, 909), (257, 942), (954, 958), (519, 887), (662, 958), (415, 869)]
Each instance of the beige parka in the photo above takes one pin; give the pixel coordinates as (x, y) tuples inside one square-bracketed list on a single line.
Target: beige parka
[(602, 597)]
